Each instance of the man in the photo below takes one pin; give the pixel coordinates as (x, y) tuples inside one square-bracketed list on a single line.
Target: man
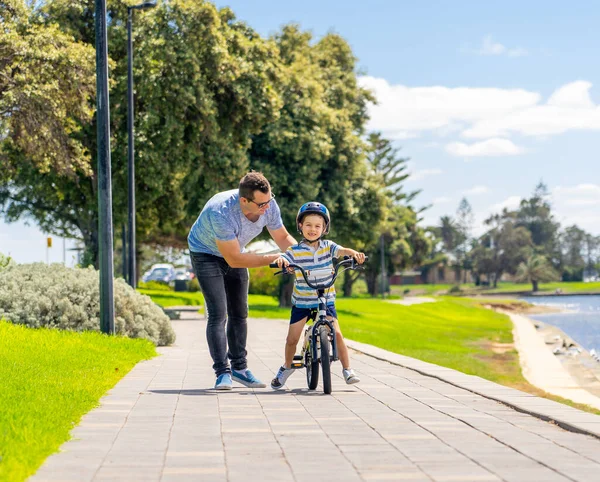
[(228, 222)]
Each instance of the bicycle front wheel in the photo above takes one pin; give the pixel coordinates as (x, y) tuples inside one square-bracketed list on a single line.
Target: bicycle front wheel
[(312, 369), (325, 361)]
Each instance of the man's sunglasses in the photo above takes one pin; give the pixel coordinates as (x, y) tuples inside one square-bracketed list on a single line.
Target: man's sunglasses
[(262, 205)]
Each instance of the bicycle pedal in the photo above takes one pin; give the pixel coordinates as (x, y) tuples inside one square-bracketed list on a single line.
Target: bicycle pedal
[(297, 365)]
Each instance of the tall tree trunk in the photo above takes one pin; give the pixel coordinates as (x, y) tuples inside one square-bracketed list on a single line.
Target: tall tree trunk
[(535, 285), (372, 277), (349, 280), (286, 286), (90, 254)]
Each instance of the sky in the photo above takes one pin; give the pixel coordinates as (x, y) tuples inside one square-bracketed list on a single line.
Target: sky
[(485, 98)]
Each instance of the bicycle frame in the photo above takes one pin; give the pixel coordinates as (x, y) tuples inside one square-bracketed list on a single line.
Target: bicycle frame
[(321, 319)]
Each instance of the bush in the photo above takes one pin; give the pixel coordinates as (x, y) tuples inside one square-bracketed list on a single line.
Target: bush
[(455, 289), (193, 285), (263, 282), (5, 261), (155, 285), (38, 295)]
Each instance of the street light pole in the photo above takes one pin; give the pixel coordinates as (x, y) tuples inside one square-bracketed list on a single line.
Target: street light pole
[(105, 228), (130, 147)]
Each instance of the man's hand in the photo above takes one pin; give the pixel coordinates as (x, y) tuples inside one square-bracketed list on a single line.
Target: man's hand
[(282, 262)]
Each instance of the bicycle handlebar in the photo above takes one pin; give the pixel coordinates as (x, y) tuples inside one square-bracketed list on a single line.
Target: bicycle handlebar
[(344, 262)]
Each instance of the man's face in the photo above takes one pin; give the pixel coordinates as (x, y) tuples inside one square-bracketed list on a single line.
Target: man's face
[(260, 202)]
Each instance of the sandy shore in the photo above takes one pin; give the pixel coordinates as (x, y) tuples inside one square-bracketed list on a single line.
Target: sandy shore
[(553, 361)]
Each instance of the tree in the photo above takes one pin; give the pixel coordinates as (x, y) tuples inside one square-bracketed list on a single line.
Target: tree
[(573, 243), (535, 214), (205, 84), (313, 150), (47, 83), (406, 244), (452, 240), (536, 269), (592, 253), (464, 224), (502, 248)]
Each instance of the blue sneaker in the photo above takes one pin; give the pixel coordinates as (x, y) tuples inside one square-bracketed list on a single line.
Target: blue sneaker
[(246, 378), (224, 382)]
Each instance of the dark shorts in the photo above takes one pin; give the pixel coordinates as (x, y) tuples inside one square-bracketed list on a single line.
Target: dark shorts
[(299, 313)]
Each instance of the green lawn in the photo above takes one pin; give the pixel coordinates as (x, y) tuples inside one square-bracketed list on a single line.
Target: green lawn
[(49, 379), (454, 332), (174, 298), (503, 287)]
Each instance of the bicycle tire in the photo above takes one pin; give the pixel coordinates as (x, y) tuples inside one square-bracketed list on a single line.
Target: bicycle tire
[(312, 369), (325, 361)]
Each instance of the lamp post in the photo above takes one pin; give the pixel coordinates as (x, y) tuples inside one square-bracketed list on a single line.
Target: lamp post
[(130, 147), (105, 227)]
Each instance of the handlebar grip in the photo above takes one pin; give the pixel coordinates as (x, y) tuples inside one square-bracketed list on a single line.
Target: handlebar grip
[(273, 265)]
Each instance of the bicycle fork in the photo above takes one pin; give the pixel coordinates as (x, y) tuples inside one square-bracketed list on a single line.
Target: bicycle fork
[(321, 323)]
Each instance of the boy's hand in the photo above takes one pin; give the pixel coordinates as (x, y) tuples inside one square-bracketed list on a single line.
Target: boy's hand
[(282, 262), (359, 257)]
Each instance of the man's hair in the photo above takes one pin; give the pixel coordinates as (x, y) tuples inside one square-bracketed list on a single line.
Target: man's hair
[(253, 181)]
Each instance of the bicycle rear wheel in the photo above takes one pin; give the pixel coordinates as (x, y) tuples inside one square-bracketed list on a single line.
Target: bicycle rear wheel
[(325, 361), (312, 369)]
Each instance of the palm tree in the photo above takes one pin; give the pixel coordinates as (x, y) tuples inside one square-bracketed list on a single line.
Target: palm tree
[(536, 269)]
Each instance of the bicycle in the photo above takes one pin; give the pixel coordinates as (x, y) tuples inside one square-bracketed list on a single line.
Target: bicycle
[(319, 345)]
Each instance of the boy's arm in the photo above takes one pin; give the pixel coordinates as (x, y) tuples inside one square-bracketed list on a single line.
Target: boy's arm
[(360, 257)]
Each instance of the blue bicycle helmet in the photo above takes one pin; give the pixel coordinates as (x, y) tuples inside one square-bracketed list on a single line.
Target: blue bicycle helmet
[(313, 207)]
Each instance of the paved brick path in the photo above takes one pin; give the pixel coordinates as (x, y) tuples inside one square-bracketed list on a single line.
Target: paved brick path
[(162, 422)]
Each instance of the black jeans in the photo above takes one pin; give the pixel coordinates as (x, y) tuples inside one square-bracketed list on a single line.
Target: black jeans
[(225, 291)]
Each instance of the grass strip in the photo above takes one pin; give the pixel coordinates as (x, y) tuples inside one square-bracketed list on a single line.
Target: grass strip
[(50, 379)]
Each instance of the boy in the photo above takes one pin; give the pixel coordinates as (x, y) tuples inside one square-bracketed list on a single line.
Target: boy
[(313, 222)]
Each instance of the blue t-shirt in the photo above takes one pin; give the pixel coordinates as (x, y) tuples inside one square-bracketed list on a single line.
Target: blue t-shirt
[(222, 219)]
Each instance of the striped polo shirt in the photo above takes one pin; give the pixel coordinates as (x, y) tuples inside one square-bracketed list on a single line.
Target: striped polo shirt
[(319, 262)]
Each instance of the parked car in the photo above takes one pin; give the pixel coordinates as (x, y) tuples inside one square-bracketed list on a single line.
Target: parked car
[(164, 272), (182, 274)]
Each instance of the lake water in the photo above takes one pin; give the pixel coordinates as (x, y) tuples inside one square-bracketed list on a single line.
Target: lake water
[(581, 321)]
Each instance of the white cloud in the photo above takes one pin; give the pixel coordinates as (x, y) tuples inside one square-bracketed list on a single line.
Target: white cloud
[(579, 205), (568, 108), (441, 200), (517, 52), (490, 47), (488, 148), (480, 113), (403, 110), (475, 190), (579, 190), (511, 202), (423, 173)]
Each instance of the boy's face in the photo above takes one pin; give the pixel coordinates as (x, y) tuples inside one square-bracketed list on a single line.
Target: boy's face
[(312, 227)]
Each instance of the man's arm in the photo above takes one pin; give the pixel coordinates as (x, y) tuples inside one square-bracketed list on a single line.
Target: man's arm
[(231, 252), (282, 238)]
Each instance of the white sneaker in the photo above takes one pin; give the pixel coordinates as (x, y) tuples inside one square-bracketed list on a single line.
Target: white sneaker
[(350, 376), (282, 375)]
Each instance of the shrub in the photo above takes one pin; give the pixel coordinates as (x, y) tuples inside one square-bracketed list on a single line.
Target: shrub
[(262, 282), (5, 261), (38, 295), (193, 285), (455, 289), (155, 285)]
